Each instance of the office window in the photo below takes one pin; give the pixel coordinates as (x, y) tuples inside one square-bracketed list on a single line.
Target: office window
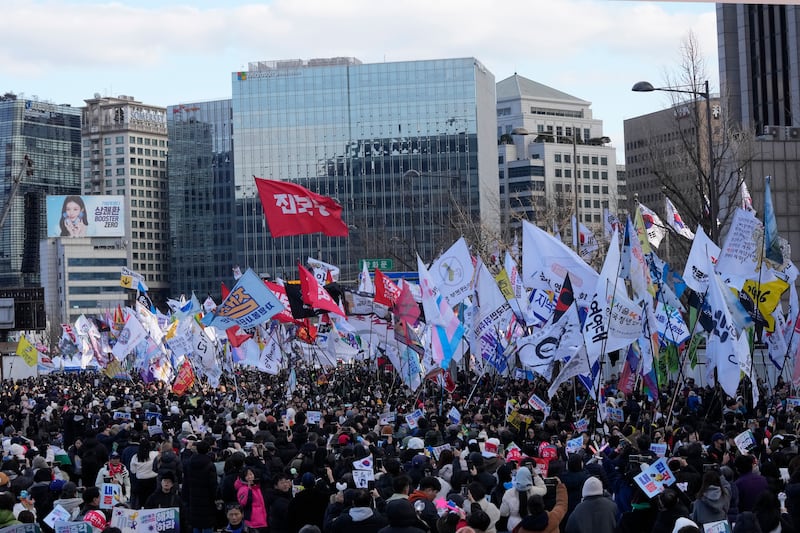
[(557, 158), (558, 172), (604, 161), (120, 172)]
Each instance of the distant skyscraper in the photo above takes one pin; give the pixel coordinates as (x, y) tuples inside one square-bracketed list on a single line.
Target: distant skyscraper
[(759, 61), (125, 153), (50, 135), (202, 221), (407, 148)]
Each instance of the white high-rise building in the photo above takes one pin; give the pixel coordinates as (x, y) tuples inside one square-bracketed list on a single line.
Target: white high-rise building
[(125, 153), (549, 143)]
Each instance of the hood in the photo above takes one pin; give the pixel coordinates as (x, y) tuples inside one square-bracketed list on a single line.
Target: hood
[(713, 493), (69, 503), (359, 514)]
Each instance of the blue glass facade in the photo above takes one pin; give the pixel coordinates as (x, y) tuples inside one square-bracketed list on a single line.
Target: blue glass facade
[(50, 135), (200, 171), (408, 149)]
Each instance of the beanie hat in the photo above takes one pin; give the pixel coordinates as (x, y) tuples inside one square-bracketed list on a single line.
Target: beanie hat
[(523, 481), (683, 522), (592, 487), (415, 443)]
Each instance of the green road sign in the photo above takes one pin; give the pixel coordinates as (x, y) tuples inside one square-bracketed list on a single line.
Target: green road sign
[(381, 264)]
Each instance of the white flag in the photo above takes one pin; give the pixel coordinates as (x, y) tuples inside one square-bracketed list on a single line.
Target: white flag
[(731, 351), (675, 221), (554, 342), (700, 263), (547, 259), (741, 251), (321, 269), (588, 241), (452, 272), (654, 226), (132, 334), (493, 317), (610, 223), (747, 200), (613, 320), (270, 359), (365, 284), (577, 365)]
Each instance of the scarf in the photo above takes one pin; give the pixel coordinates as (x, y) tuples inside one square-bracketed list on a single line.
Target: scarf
[(114, 470)]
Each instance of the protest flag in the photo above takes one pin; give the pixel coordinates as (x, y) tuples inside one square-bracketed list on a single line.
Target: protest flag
[(294, 210)]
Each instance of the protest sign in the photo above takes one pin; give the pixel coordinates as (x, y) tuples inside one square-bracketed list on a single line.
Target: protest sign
[(361, 478), (122, 416), (654, 478), (721, 526), (659, 449), (454, 416), (574, 445), (58, 514), (745, 441), (437, 450), (791, 403), (313, 417), (387, 419), (413, 417), (146, 520), (581, 425), (73, 527), (110, 495), (614, 414), (22, 528), (537, 403)]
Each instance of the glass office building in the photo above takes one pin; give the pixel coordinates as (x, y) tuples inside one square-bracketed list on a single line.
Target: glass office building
[(200, 174), (408, 149), (50, 135)]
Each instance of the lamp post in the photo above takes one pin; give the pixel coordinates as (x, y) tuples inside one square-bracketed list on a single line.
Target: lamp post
[(713, 193)]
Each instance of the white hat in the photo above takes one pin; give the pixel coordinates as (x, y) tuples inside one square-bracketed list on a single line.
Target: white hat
[(491, 448), (681, 523), (592, 487), (415, 443)]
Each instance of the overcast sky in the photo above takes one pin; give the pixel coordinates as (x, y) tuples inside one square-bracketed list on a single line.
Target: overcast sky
[(168, 52)]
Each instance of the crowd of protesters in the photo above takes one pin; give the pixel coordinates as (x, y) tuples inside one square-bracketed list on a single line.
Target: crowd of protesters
[(244, 457)]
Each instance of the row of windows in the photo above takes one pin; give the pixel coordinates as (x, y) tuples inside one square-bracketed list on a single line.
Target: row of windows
[(556, 112), (145, 224), (147, 151), (150, 256), (147, 141), (95, 289), (594, 174), (565, 132), (595, 160), (148, 245), (96, 261), (148, 162)]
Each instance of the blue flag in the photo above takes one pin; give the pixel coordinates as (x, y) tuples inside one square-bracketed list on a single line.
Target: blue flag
[(771, 242), (249, 304)]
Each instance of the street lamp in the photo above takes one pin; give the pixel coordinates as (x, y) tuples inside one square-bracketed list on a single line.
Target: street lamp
[(713, 194)]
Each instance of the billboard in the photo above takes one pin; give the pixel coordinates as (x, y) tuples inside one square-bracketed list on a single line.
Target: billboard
[(86, 216)]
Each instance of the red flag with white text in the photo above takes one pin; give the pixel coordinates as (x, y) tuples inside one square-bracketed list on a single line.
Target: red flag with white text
[(294, 210), (315, 294)]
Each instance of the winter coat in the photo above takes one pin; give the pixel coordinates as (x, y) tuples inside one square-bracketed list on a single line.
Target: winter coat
[(278, 510), (554, 517), (144, 469), (307, 507), (72, 505), (751, 486), (251, 496), (595, 514), (509, 505), (665, 520), (200, 490), (712, 506), (169, 462), (573, 481), (123, 479), (492, 511), (357, 520), (7, 518)]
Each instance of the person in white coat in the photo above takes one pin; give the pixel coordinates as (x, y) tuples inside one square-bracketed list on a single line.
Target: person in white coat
[(115, 472), (514, 505)]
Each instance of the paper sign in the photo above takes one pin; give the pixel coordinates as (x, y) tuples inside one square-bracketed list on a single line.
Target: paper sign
[(22, 528), (615, 414), (155, 430), (73, 527), (659, 449), (146, 520), (574, 445), (313, 417), (454, 416), (122, 415), (361, 478), (387, 419), (745, 441), (537, 403), (542, 465), (413, 417), (655, 477), (364, 464), (721, 526), (581, 425), (437, 450), (110, 495), (58, 514), (791, 403)]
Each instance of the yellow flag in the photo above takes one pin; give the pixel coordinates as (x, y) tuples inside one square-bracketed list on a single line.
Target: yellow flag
[(764, 297), (504, 283), (26, 350)]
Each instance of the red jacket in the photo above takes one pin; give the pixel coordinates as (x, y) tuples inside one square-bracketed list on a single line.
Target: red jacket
[(258, 511)]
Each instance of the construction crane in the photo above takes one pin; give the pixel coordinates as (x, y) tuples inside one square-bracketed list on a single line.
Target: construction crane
[(27, 170)]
